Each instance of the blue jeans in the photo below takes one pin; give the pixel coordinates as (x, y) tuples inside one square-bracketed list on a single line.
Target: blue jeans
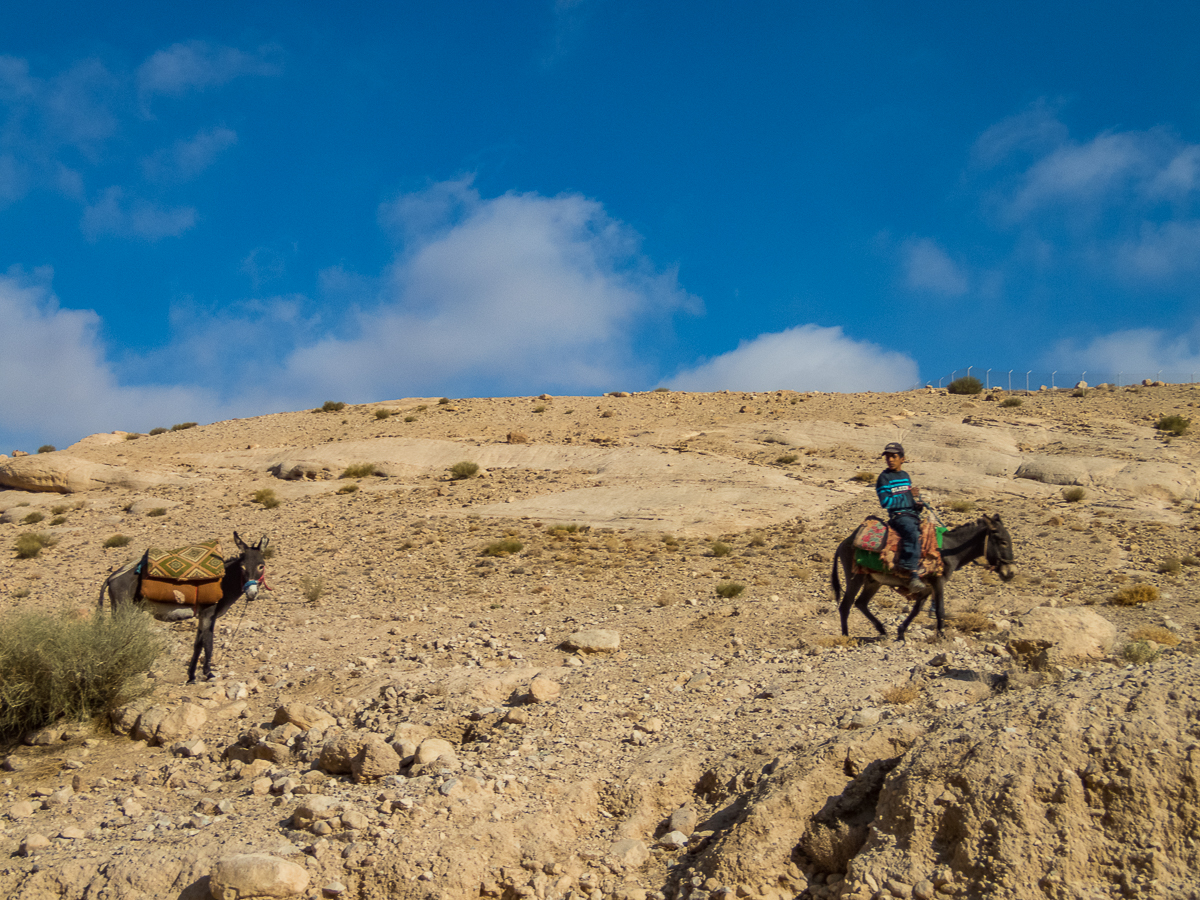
[(908, 526)]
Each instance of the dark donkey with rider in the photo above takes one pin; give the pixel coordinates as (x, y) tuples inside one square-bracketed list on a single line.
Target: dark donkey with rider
[(241, 575), (987, 538)]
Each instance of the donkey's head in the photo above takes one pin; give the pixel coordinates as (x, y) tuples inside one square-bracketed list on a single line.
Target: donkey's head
[(998, 548), (253, 564)]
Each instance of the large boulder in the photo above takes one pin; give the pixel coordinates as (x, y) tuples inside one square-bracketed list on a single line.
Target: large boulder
[(1061, 635), (64, 474), (248, 876)]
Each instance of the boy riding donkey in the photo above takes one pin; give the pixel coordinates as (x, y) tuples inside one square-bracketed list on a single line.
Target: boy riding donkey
[(898, 496)]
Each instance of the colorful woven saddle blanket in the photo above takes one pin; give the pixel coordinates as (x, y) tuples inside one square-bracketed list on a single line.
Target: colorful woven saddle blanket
[(186, 575), (876, 547)]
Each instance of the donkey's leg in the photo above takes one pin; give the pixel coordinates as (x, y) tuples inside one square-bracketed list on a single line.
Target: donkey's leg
[(939, 603), (870, 589), (918, 602), (205, 620)]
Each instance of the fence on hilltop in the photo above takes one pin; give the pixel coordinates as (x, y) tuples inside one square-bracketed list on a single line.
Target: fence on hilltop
[(1034, 379)]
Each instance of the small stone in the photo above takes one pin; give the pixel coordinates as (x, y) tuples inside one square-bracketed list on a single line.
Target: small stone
[(132, 808), (22, 809), (923, 890), (865, 718), (544, 690), (34, 843), (683, 820), (673, 840), (73, 833), (354, 820), (333, 889)]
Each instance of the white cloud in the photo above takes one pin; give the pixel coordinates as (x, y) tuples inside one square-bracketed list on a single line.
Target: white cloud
[(517, 293), (196, 66), (929, 268), (57, 385), (113, 214), (1161, 252), (1138, 352), (805, 358), (185, 159)]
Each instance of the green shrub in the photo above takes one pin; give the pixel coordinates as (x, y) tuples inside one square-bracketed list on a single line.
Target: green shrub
[(58, 666), (1171, 566), (1010, 402), (132, 435), (58, 520), (662, 390), (59, 508), (570, 528), (503, 548), (32, 518), (444, 401), (968, 384), (157, 511), (1140, 652), (312, 588), (410, 418), (30, 543), (183, 426), (787, 459), (117, 540), (386, 413), (157, 431), (348, 488), (266, 496), (330, 406), (359, 470), (464, 469), (1173, 424), (47, 448), (1073, 494), (729, 589), (719, 549), (540, 408)]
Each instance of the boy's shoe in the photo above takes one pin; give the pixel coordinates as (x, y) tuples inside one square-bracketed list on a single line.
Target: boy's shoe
[(916, 585)]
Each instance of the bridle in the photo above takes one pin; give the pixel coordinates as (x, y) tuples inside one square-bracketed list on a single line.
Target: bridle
[(992, 546)]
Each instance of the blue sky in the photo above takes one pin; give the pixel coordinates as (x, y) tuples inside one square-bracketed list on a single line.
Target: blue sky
[(233, 209)]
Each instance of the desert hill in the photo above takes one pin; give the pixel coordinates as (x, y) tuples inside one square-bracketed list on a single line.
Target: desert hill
[(613, 726)]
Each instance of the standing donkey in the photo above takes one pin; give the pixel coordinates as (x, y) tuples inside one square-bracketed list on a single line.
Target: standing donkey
[(245, 574)]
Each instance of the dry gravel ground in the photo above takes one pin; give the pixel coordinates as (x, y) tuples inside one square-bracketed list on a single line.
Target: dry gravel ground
[(793, 763)]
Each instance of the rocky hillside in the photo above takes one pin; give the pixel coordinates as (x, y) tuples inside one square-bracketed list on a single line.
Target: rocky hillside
[(608, 665)]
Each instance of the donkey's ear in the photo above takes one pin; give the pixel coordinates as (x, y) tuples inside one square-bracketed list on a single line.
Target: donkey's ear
[(241, 545), (262, 542)]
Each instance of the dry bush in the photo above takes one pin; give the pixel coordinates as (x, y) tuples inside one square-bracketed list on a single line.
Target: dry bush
[(33, 518), (718, 549), (1171, 566), (266, 496), (359, 470), (463, 470), (518, 437), (787, 459), (183, 426), (385, 413), (117, 540), (1157, 633), (758, 539), (667, 599), (901, 694), (30, 543), (729, 589), (1135, 595), (57, 665), (971, 622), (312, 588), (503, 548), (961, 506), (865, 477), (347, 488), (1073, 494), (410, 418), (1173, 424), (837, 640), (1010, 402)]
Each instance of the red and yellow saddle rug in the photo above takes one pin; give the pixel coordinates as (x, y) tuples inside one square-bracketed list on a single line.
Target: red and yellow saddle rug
[(186, 575), (884, 559)]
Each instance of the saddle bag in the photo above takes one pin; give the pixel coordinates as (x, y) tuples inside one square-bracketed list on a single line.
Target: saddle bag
[(189, 576), (871, 535)]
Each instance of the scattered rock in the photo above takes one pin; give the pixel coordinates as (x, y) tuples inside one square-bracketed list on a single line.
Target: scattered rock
[(254, 875)]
